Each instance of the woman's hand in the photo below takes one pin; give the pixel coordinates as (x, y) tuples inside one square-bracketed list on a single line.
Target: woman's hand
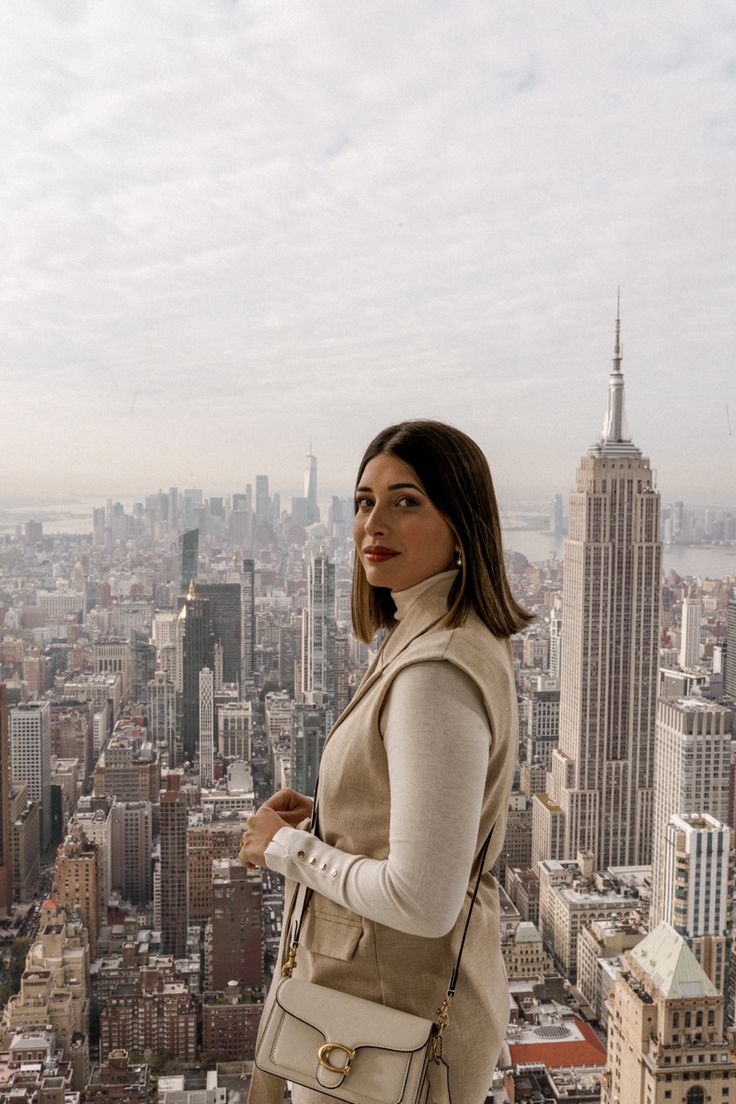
[(262, 827), (292, 806)]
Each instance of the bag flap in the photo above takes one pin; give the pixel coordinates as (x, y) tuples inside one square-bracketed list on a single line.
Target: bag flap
[(343, 1018)]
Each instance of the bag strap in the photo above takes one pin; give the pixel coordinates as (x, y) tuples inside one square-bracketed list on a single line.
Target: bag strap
[(301, 903), (443, 1012)]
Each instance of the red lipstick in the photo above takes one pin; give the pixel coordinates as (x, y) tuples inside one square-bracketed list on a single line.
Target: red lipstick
[(376, 553)]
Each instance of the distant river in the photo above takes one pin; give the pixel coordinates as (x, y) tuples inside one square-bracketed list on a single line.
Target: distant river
[(710, 561)]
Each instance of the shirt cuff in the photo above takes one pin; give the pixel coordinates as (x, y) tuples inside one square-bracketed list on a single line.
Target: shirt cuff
[(303, 857), (277, 852)]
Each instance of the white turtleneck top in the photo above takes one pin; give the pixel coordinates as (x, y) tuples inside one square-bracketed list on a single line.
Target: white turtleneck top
[(437, 738)]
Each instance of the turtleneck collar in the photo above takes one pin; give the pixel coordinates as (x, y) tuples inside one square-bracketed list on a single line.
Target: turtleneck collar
[(404, 599)]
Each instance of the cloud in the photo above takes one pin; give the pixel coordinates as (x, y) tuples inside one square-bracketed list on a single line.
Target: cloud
[(270, 221)]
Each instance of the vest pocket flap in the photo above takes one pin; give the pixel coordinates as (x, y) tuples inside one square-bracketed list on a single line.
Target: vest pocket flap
[(352, 1021), (327, 935)]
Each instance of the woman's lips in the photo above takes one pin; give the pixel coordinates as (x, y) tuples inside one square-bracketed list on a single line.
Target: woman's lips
[(378, 555)]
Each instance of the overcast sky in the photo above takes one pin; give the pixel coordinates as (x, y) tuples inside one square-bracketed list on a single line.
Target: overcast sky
[(231, 227)]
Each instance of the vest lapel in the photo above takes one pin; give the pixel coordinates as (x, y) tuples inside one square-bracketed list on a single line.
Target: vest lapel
[(424, 613)]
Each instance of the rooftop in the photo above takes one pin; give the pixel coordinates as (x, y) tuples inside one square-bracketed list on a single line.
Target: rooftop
[(563, 1041), (666, 959)]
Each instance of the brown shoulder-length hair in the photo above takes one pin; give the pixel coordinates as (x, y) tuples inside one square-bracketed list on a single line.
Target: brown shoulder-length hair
[(455, 474)]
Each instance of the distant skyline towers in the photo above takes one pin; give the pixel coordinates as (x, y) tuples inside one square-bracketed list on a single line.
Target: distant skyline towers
[(173, 868), (263, 501), (310, 477), (262, 527), (318, 634), (305, 510), (99, 526), (173, 510), (189, 548), (30, 757), (241, 521), (602, 773), (310, 487), (206, 727), (6, 855), (692, 614)]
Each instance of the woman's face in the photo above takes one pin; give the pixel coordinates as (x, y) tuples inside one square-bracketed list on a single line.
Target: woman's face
[(399, 534)]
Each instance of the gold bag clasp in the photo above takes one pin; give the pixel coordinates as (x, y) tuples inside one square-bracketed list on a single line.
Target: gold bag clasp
[(327, 1049)]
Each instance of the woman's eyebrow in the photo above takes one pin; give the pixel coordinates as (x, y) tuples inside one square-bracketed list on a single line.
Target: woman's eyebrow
[(393, 487)]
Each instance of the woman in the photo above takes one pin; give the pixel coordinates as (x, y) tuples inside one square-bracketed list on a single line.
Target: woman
[(419, 766)]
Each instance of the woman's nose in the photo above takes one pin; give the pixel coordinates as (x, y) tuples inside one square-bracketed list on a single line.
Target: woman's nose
[(375, 523)]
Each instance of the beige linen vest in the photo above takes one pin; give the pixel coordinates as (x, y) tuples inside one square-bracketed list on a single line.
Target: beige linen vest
[(343, 950)]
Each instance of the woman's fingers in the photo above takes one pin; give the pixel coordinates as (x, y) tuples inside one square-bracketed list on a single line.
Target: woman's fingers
[(292, 806)]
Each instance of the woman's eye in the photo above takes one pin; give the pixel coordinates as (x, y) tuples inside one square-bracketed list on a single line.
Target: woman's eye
[(405, 500), (363, 503)]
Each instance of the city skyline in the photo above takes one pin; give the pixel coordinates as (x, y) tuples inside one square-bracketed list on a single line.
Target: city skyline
[(239, 229)]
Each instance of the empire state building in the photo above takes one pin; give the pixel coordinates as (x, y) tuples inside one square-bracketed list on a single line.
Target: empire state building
[(600, 794)]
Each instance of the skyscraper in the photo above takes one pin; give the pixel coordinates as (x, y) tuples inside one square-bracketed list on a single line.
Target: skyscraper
[(692, 757), (189, 548), (555, 640), (729, 680), (263, 502), (692, 612), (310, 488), (173, 880), (225, 617), (206, 726), (234, 728), (318, 634), (307, 742), (6, 856), (162, 714), (78, 881), (131, 836), (602, 772), (236, 952), (30, 757), (197, 652), (248, 630), (698, 890), (262, 529), (556, 520)]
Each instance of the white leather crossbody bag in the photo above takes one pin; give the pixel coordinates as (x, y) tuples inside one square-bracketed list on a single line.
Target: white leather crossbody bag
[(353, 1049)]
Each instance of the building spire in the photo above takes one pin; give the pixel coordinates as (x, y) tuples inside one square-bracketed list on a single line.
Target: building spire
[(613, 430), (615, 439), (617, 350)]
